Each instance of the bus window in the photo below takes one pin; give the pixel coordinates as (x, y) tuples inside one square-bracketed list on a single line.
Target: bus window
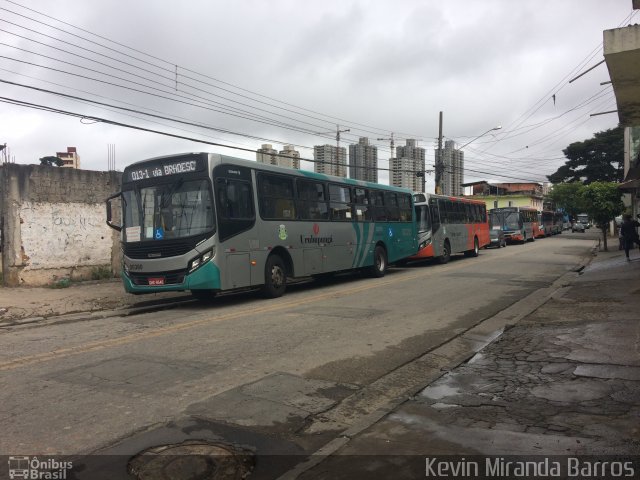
[(234, 207), (363, 209), (377, 200), (340, 203), (404, 203), (276, 197), (391, 210), (312, 204), (424, 218)]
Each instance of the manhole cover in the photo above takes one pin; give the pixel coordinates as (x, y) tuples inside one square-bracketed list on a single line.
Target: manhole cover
[(192, 460)]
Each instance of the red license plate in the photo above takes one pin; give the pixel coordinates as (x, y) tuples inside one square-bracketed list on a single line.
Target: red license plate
[(156, 281)]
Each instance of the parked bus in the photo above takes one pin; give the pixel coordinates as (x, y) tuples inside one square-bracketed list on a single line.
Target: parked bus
[(545, 223), (206, 223), (449, 225), (520, 223), (558, 221)]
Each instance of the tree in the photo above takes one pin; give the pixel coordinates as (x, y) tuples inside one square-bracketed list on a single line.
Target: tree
[(51, 161), (568, 197), (603, 202), (597, 159)]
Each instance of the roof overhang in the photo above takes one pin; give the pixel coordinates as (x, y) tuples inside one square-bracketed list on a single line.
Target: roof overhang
[(622, 55)]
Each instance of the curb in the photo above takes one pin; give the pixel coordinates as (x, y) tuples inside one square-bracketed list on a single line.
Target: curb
[(497, 323), (94, 315)]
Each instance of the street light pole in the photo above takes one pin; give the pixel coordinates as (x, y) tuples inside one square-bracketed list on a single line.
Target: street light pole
[(482, 135)]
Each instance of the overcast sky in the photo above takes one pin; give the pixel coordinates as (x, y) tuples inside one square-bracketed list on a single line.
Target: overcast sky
[(277, 71)]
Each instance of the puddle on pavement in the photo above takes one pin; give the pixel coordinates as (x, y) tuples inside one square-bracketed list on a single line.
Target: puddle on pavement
[(439, 391)]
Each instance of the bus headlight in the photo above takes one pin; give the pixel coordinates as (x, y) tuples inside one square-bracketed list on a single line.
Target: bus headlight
[(201, 260)]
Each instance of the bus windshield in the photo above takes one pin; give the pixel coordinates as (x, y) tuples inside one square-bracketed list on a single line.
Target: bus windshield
[(512, 221), (423, 218), (495, 220), (169, 210)]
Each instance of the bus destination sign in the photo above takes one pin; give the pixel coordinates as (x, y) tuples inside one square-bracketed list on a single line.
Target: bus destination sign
[(162, 170)]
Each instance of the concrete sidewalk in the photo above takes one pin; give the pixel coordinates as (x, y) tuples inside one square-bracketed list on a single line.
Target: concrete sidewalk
[(24, 305), (565, 380)]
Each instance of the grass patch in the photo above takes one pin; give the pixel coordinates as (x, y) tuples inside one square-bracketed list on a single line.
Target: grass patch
[(62, 283), (101, 273)]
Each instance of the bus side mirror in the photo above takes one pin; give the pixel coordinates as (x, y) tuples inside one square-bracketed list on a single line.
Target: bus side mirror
[(109, 214)]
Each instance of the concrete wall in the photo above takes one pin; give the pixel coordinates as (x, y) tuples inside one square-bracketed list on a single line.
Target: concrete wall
[(53, 224)]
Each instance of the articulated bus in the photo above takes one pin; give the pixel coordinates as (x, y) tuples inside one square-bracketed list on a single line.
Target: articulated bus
[(206, 223), (520, 223), (449, 225)]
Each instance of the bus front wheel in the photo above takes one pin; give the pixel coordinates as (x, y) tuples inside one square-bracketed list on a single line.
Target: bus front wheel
[(275, 277), (379, 267)]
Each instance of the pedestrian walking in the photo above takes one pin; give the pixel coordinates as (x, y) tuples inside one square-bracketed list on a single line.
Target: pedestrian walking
[(629, 231)]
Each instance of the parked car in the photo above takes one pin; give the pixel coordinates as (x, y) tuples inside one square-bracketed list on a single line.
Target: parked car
[(577, 227), (497, 238)]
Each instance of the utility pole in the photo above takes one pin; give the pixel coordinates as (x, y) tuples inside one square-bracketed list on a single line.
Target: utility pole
[(391, 139), (439, 163)]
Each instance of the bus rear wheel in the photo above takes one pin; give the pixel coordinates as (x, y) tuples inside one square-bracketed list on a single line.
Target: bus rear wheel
[(446, 253), (476, 249), (379, 267), (275, 277)]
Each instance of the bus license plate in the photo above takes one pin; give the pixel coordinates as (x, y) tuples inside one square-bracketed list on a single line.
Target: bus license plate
[(156, 281)]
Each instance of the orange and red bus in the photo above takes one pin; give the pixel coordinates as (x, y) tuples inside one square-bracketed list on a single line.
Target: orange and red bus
[(449, 225)]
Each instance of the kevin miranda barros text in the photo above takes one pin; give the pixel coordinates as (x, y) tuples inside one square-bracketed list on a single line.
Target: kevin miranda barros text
[(443, 467)]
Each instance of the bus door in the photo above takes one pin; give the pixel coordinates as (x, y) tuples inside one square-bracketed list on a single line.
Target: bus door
[(236, 218), (425, 234)]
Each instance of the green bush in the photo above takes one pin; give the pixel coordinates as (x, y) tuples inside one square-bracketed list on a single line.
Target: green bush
[(101, 273), (62, 283)]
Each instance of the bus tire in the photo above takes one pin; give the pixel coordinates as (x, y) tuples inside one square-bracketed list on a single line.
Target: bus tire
[(275, 277), (476, 249), (446, 253), (204, 295), (379, 267)]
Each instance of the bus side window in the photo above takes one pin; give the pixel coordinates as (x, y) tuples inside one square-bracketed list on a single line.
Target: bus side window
[(311, 200), (340, 203), (391, 209), (377, 199), (404, 200), (363, 209), (276, 197)]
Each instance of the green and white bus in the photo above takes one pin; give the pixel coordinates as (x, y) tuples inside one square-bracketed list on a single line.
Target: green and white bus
[(207, 223)]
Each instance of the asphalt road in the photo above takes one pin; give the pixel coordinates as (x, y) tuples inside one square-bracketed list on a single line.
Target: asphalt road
[(273, 368)]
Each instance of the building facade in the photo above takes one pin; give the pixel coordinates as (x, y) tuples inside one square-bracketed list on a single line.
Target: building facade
[(288, 157), (330, 160), (408, 162), (621, 48), (363, 161), (453, 173), (70, 158), (498, 195)]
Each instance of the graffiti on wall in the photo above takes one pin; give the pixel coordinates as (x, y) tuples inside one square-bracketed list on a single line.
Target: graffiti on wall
[(63, 235)]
